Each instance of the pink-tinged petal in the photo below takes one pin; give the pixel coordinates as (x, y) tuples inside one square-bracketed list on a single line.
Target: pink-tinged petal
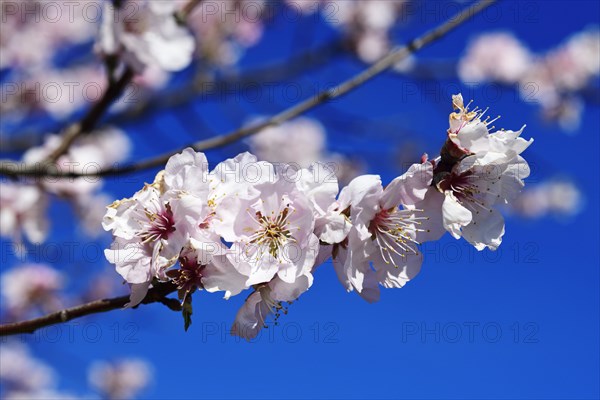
[(138, 293), (512, 179), (220, 275), (333, 228), (369, 289), (486, 230), (236, 177), (288, 292), (511, 141), (325, 252), (340, 265), (390, 276), (254, 261), (133, 260), (432, 228), (472, 137), (251, 317), (455, 216), (408, 188), (363, 195), (320, 186), (188, 171)]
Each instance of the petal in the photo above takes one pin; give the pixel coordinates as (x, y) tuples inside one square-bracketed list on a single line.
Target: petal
[(486, 230), (454, 215), (408, 188), (251, 317), (138, 293), (432, 228)]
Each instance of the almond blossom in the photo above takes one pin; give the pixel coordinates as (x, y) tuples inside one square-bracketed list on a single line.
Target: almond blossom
[(559, 197), (120, 379), (21, 372), (366, 23), (476, 171), (267, 300), (151, 36), (381, 247), (224, 28), (497, 56), (23, 213), (100, 149), (31, 287), (152, 227), (270, 225), (204, 265)]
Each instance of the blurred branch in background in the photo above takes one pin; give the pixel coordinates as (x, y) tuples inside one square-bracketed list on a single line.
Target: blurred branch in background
[(15, 170)]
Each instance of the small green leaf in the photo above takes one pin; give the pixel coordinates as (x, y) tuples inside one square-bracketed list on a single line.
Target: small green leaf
[(186, 311)]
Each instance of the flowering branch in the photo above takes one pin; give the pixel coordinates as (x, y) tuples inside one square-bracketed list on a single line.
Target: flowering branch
[(114, 90), (158, 294), (13, 169)]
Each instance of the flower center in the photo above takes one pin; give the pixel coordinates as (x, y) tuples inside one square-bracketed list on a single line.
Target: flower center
[(466, 190), (188, 277), (393, 230), (274, 231), (160, 225)]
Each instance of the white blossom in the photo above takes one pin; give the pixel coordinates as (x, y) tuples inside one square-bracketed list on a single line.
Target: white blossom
[(266, 301), (23, 212), (150, 37), (21, 372), (381, 248), (486, 170), (121, 379), (270, 224)]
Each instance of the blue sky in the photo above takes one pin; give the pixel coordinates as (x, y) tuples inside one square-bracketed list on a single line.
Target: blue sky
[(518, 323)]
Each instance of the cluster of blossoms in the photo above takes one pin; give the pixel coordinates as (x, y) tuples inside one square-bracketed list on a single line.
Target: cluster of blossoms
[(25, 377), (554, 79), (253, 224), (23, 205), (365, 24)]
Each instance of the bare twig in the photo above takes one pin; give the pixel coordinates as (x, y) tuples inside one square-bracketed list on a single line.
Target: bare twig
[(89, 121), (183, 14), (396, 55), (158, 294)]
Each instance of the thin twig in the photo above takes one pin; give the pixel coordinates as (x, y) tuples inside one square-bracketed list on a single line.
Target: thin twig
[(382, 65), (114, 90), (206, 88), (155, 295), (89, 121)]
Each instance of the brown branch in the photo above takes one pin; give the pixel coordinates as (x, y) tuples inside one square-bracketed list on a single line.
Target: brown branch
[(202, 86), (374, 70), (182, 15), (155, 295), (89, 121)]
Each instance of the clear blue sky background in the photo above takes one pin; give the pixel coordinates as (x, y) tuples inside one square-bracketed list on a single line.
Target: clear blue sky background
[(519, 323)]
